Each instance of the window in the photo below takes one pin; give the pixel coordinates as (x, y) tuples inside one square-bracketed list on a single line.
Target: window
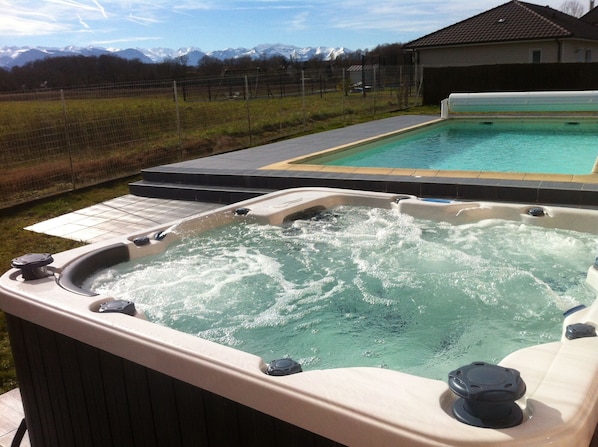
[(536, 56), (583, 55)]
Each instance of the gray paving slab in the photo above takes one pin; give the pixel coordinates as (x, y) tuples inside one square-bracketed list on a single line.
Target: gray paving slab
[(257, 157), (11, 415), (117, 217)]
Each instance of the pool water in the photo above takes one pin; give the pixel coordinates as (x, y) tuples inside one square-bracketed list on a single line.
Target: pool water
[(357, 286), (542, 146)]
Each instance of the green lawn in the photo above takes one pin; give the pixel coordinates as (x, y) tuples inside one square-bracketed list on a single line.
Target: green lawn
[(79, 140)]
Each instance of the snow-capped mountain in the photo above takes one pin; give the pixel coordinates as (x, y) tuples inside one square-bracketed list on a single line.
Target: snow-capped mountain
[(18, 56), (287, 51)]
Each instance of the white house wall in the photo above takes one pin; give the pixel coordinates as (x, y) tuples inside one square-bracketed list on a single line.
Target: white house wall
[(511, 53), (575, 51)]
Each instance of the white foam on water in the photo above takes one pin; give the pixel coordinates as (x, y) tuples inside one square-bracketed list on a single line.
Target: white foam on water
[(365, 287)]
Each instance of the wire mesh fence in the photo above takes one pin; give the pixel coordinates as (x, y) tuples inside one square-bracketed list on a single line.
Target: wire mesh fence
[(53, 141)]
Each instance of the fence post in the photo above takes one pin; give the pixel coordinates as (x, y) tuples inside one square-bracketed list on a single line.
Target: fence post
[(374, 89), (407, 80), (345, 90), (248, 112), (363, 75), (400, 88), (303, 98), (68, 139), (420, 82), (178, 119)]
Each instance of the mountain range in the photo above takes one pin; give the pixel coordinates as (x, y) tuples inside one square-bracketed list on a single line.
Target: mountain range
[(11, 56)]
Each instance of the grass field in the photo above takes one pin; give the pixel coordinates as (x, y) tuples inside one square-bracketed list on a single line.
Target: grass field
[(55, 143)]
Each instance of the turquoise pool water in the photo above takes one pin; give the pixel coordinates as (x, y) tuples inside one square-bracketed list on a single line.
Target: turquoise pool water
[(365, 287), (538, 146)]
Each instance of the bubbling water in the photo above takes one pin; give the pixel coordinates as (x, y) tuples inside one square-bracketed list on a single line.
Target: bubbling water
[(359, 286)]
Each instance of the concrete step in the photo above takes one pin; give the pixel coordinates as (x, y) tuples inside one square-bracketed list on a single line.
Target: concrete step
[(193, 192)]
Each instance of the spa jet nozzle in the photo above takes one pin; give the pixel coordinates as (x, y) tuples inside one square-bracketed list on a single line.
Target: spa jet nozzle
[(118, 306), (579, 330), (162, 234), (33, 265), (141, 241), (283, 367), (487, 395), (242, 211), (536, 211)]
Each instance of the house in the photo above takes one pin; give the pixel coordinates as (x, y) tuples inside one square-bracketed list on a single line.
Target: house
[(512, 33), (367, 75), (592, 15)]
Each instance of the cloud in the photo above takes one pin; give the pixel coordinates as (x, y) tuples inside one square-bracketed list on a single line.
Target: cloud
[(82, 22), (69, 7), (43, 18), (125, 40), (397, 15), (61, 17), (144, 21), (299, 21), (11, 25), (101, 9)]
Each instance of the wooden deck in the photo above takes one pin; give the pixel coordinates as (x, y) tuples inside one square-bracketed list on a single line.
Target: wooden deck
[(11, 415)]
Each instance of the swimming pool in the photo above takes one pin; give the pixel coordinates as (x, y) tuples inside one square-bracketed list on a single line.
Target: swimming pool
[(506, 145)]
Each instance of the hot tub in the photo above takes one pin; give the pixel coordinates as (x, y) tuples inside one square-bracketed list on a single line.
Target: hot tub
[(93, 371)]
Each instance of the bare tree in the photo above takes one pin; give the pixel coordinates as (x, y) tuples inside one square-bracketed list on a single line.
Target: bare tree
[(573, 8)]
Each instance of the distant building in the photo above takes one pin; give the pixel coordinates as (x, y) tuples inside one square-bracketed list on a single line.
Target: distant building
[(515, 32), (369, 75)]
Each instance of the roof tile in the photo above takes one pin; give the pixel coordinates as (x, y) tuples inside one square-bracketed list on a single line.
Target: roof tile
[(512, 21)]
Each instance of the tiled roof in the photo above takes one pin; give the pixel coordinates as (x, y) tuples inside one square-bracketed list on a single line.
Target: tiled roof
[(358, 67), (512, 21), (591, 16)]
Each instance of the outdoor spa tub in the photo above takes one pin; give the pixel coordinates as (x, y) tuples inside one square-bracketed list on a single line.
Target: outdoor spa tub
[(93, 368)]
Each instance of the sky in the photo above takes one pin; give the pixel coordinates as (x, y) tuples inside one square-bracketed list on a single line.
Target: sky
[(211, 25)]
